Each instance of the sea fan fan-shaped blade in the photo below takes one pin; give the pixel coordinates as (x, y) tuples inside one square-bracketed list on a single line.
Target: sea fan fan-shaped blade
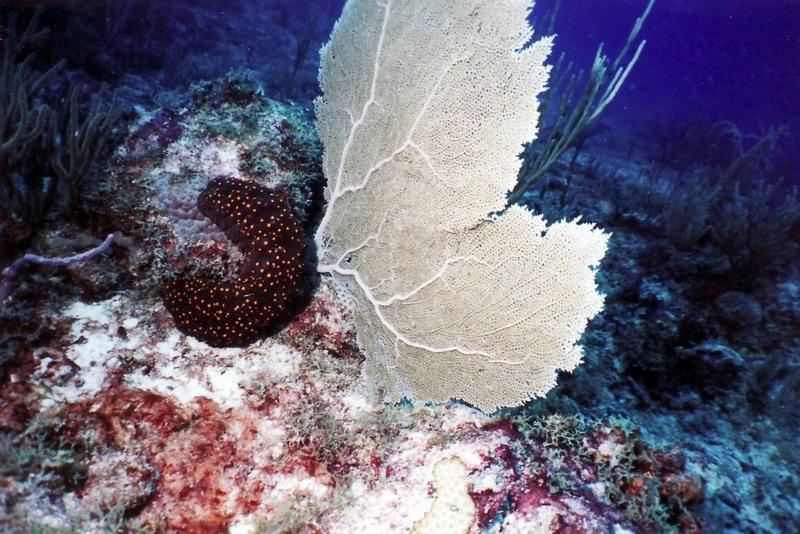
[(425, 107)]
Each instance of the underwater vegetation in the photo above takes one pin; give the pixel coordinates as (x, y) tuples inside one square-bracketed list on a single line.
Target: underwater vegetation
[(139, 393), (47, 150), (568, 110), (52, 137)]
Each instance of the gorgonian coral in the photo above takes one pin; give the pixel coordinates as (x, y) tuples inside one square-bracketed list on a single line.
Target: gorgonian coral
[(424, 111), (259, 222)]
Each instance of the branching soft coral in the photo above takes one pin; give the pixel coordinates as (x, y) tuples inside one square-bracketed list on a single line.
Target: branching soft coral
[(47, 152)]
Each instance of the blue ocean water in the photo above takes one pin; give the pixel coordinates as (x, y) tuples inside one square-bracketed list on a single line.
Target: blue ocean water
[(691, 167), (718, 60)]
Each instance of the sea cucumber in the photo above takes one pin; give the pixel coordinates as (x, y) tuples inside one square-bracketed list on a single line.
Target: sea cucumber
[(259, 221)]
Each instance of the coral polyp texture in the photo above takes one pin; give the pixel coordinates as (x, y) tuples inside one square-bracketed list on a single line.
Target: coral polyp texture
[(425, 108), (259, 221)]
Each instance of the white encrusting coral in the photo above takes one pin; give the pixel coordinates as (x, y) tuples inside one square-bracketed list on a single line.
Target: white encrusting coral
[(82, 370), (395, 502), (178, 366), (217, 374)]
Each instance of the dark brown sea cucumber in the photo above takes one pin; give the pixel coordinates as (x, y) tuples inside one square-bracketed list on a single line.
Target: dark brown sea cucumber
[(259, 221)]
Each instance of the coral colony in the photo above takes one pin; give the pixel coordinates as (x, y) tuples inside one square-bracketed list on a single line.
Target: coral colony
[(260, 223), (11, 272), (395, 287), (449, 300)]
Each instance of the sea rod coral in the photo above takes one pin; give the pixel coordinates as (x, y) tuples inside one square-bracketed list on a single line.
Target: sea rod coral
[(425, 108), (10, 273)]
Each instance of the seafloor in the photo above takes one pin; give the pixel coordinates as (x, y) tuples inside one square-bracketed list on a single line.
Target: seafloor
[(683, 418)]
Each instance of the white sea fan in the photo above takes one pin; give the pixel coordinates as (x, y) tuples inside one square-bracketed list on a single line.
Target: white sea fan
[(425, 107)]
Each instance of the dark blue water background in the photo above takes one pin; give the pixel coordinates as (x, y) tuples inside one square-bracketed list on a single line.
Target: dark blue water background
[(737, 60), (710, 60)]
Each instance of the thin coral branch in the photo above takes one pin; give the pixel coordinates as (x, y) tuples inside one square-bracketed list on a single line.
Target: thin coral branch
[(11, 272), (573, 118), (76, 142), (21, 120)]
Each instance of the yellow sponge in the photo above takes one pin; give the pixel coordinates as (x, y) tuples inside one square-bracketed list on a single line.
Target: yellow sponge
[(453, 511)]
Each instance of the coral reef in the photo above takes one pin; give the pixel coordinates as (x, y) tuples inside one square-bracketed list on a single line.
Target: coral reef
[(697, 342), (225, 129), (682, 418), (278, 436), (157, 430)]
